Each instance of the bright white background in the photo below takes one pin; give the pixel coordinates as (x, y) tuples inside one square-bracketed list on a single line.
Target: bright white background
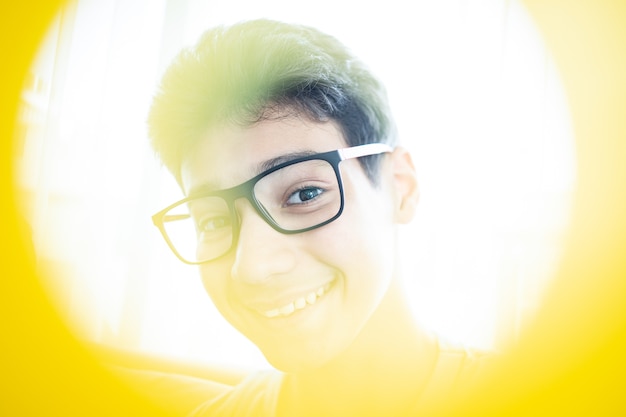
[(478, 102)]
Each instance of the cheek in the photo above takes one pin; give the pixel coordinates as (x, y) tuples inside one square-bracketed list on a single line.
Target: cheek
[(369, 237), (368, 223), (360, 244), (215, 278)]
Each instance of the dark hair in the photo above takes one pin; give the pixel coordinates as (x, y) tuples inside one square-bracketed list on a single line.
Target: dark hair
[(262, 69)]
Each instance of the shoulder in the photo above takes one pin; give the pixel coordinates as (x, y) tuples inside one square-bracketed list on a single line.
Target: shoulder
[(457, 370), (467, 364), (176, 393), (178, 386), (256, 395)]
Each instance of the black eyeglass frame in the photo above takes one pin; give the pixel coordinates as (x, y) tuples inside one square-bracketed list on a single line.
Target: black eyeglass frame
[(246, 190)]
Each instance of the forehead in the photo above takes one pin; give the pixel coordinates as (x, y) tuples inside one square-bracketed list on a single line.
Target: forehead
[(229, 155)]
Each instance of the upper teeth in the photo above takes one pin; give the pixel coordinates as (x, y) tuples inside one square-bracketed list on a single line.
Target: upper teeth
[(298, 304)]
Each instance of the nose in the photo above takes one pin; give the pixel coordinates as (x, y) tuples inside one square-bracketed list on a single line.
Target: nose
[(261, 252)]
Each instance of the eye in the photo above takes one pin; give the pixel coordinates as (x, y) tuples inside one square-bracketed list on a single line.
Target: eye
[(213, 224), (304, 195)]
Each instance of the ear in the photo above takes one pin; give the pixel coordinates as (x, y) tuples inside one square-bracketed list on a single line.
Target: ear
[(405, 184)]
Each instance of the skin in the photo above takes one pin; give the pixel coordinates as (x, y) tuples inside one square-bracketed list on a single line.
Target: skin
[(362, 317)]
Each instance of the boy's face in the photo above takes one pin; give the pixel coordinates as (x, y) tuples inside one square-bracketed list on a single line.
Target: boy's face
[(324, 284)]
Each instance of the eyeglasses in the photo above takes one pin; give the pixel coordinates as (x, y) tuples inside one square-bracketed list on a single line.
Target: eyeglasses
[(296, 196)]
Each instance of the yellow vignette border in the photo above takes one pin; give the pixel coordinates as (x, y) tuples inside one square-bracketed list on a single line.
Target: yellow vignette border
[(570, 362), (44, 371)]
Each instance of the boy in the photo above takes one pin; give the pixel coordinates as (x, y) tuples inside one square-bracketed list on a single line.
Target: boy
[(286, 150)]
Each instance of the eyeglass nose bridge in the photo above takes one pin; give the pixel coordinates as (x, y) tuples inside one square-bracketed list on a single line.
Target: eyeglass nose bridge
[(246, 191)]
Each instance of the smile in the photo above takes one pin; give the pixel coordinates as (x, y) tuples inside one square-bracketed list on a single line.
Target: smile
[(299, 303)]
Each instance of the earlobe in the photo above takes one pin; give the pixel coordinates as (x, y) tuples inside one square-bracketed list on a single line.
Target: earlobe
[(405, 185)]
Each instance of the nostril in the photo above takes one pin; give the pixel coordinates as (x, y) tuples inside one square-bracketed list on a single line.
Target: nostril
[(261, 264)]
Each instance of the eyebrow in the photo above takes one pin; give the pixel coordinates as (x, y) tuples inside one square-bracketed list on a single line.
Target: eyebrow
[(272, 162), (261, 167)]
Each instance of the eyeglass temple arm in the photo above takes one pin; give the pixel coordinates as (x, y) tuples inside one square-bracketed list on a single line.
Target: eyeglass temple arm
[(364, 150)]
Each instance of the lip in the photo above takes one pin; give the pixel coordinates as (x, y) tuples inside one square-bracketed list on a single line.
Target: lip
[(287, 305)]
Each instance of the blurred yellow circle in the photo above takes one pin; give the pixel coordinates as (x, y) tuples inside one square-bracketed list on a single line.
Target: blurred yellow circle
[(570, 362)]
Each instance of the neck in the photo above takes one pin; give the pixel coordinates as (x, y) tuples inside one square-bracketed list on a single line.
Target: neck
[(382, 372)]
